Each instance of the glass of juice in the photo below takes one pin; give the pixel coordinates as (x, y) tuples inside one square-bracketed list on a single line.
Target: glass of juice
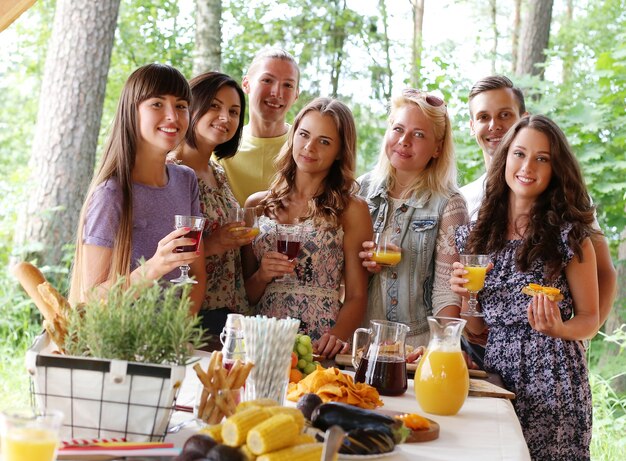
[(196, 225), (248, 216), (288, 241), (476, 267), (387, 251), (30, 436)]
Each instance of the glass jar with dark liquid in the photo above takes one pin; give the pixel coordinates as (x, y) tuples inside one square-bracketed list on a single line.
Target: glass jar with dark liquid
[(380, 362)]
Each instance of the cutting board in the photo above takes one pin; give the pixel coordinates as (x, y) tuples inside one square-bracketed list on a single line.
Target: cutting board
[(345, 360), (482, 388), (425, 435)]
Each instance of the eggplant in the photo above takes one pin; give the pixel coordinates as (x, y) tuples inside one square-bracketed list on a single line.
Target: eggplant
[(349, 417), (367, 442)]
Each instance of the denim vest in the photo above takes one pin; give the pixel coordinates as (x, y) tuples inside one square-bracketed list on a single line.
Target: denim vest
[(407, 287)]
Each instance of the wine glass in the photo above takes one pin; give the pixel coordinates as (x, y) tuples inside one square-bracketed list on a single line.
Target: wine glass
[(248, 215), (387, 251), (476, 267), (288, 240), (196, 224)]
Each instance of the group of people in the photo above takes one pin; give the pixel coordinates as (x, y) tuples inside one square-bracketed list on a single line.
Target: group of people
[(182, 148)]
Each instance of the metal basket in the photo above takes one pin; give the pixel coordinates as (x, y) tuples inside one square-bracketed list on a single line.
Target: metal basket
[(103, 398)]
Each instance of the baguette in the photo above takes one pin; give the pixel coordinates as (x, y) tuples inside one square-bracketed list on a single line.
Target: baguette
[(553, 294), (30, 278)]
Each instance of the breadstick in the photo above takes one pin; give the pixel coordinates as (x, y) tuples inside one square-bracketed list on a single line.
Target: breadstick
[(30, 278), (231, 379), (243, 375)]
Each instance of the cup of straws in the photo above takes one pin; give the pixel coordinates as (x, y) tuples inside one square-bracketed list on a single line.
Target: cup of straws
[(269, 342), (221, 388)]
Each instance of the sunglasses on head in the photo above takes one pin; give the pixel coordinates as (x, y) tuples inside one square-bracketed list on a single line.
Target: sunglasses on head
[(429, 98)]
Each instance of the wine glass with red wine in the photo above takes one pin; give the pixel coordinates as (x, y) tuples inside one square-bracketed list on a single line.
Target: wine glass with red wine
[(288, 240), (196, 224)]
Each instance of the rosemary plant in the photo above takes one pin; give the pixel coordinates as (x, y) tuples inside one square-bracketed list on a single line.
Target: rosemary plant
[(149, 324)]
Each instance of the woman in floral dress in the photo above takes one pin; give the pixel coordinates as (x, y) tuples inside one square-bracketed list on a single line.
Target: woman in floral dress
[(314, 186), (535, 225), (217, 111)]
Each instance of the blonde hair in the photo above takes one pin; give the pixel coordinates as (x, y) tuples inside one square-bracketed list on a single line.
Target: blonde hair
[(338, 186), (439, 176), (118, 161)]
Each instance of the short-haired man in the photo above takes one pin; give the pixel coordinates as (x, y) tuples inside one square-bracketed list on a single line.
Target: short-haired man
[(272, 87), (495, 105)]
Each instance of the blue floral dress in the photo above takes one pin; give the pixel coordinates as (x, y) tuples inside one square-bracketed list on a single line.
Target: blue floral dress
[(548, 375), (319, 269)]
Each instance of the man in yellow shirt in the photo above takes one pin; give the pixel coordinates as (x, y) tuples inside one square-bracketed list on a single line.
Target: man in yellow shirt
[(272, 87)]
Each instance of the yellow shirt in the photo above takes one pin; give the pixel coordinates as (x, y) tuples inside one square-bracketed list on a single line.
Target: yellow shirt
[(251, 169)]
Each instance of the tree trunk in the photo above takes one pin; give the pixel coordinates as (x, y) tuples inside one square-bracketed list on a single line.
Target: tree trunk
[(208, 52), (515, 34), (388, 87), (418, 21), (68, 121), (338, 39), (493, 10), (535, 38)]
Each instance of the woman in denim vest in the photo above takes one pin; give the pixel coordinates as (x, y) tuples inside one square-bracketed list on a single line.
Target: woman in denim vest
[(412, 194)]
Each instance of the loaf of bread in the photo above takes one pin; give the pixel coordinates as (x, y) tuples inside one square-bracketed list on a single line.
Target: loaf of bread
[(532, 289)]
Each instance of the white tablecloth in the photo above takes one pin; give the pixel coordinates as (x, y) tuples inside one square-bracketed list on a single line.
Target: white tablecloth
[(485, 429)]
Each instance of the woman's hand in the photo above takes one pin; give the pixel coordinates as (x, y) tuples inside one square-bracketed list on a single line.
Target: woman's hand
[(366, 254), (458, 279), (544, 316), (330, 345), (273, 265), (166, 258), (226, 238)]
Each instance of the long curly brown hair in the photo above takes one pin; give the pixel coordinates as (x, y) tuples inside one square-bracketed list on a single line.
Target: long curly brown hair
[(565, 201), (334, 194)]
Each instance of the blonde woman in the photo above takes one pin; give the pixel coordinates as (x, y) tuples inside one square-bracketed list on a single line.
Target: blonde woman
[(412, 193)]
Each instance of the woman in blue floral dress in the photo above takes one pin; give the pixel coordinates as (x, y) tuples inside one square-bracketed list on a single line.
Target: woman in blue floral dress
[(535, 225), (314, 186)]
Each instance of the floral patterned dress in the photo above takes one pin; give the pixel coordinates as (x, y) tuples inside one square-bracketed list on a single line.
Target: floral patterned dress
[(548, 375), (225, 285), (319, 268)]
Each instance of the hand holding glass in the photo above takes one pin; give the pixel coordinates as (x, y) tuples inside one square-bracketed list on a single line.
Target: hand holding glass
[(30, 436), (195, 224), (288, 240), (476, 267), (250, 219), (387, 251)]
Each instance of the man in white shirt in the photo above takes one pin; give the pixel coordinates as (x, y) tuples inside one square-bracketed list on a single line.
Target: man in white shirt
[(495, 106), (272, 87)]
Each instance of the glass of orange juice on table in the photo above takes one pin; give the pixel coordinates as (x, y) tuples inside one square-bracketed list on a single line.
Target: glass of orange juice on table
[(387, 251), (476, 267), (30, 436), (248, 216)]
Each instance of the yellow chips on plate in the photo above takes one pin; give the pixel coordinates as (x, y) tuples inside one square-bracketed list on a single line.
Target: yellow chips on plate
[(333, 385)]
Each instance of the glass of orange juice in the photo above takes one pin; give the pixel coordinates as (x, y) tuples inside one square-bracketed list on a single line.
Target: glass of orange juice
[(476, 267), (387, 251), (30, 436), (248, 216)]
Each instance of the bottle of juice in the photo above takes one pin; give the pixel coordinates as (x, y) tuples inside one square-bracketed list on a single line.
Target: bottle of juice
[(442, 378)]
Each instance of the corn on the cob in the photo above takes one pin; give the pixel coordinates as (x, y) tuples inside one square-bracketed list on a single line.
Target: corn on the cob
[(306, 452), (235, 428), (296, 414), (273, 434), (247, 453), (303, 438), (255, 403), (214, 431)]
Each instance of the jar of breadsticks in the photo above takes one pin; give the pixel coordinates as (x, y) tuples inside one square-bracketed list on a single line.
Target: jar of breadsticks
[(220, 388)]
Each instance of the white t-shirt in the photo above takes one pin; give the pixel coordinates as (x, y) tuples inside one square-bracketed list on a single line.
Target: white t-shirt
[(473, 194)]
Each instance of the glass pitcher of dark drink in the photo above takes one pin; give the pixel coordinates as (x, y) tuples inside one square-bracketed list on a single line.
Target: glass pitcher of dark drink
[(380, 360), (232, 341)]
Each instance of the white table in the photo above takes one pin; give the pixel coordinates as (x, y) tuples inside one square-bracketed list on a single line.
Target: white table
[(485, 429)]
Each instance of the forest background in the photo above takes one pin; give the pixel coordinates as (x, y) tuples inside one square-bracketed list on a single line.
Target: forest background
[(63, 64)]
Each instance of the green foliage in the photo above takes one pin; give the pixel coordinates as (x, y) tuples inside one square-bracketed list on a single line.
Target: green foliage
[(149, 324)]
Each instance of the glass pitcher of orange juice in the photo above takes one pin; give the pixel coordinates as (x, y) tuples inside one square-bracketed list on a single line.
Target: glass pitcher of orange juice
[(442, 378)]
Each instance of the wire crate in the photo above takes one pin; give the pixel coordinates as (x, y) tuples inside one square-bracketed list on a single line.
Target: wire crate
[(103, 398)]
